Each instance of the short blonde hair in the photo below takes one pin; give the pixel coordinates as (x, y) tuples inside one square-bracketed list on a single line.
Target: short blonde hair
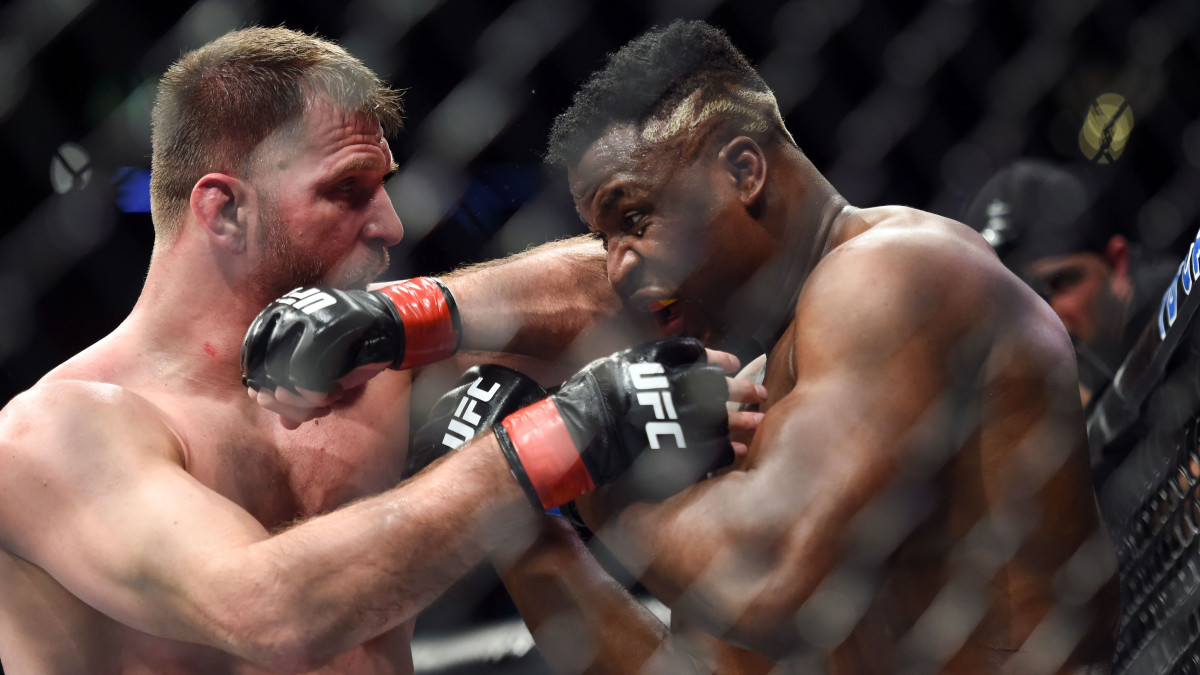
[(217, 103)]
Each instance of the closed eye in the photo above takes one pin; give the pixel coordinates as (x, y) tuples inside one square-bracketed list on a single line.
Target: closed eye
[(361, 174), (601, 237), (1057, 281)]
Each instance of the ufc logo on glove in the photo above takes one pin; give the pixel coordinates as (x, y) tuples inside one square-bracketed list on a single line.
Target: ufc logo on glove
[(308, 300), (631, 411), (650, 376), (465, 421)]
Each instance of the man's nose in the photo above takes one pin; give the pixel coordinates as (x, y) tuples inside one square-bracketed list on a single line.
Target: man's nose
[(384, 225), (624, 265)]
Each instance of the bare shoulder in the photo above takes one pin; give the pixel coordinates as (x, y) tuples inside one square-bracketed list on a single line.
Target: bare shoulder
[(965, 265), (74, 427), (895, 253), (77, 414), (902, 274), (890, 226)]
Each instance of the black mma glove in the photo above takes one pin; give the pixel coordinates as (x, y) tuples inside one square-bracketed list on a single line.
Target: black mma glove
[(483, 396), (312, 337), (655, 412)]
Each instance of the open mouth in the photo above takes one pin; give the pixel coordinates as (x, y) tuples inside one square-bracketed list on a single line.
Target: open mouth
[(669, 314)]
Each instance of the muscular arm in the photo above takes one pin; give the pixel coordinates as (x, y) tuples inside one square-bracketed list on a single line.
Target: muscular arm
[(535, 303), (546, 311), (583, 620), (876, 337), (94, 491)]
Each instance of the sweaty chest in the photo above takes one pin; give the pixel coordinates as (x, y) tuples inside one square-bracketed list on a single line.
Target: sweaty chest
[(279, 476)]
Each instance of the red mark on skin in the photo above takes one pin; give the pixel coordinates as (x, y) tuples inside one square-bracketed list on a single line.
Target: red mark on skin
[(209, 349)]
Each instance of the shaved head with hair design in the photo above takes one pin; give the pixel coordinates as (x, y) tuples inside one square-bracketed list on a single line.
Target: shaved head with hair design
[(687, 77)]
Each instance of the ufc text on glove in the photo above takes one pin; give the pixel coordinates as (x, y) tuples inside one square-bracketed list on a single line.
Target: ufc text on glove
[(651, 418)]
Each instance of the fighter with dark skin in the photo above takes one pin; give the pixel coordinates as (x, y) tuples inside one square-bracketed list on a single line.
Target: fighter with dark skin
[(917, 494)]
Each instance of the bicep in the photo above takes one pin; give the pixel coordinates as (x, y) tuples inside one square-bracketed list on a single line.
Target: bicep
[(104, 508)]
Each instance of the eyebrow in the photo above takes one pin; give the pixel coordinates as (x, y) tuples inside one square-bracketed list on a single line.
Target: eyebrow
[(612, 197), (360, 163)]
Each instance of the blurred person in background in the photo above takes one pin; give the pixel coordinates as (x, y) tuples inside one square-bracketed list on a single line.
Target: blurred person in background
[(1041, 220)]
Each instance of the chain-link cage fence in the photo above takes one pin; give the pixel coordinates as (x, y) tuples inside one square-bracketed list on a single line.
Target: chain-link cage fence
[(1146, 468), (912, 102)]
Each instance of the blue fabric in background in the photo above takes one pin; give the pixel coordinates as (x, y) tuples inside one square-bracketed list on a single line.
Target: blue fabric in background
[(133, 189)]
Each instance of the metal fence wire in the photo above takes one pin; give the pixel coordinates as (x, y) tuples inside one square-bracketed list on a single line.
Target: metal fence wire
[(1143, 432), (913, 102)]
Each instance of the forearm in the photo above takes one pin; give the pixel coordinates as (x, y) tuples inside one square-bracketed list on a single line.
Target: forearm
[(573, 608), (741, 553), (340, 579), (536, 302), (715, 557), (667, 541)]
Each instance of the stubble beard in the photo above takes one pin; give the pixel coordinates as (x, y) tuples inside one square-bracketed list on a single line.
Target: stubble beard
[(285, 264)]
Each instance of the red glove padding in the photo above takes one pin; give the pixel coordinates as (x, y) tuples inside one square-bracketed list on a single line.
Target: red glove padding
[(429, 315)]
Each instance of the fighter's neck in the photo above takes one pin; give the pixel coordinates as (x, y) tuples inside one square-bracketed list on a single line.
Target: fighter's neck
[(812, 224), (809, 220), (192, 319)]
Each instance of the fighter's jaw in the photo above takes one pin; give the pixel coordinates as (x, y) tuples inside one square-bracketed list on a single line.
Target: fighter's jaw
[(692, 317), (672, 319), (357, 273)]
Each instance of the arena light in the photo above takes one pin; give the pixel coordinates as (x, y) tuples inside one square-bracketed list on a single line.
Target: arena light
[(70, 168), (1106, 129)]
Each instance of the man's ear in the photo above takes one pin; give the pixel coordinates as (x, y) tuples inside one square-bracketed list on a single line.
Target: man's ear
[(219, 203), (1116, 254), (746, 166)]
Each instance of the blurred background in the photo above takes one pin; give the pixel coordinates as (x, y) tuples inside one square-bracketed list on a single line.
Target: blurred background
[(913, 102)]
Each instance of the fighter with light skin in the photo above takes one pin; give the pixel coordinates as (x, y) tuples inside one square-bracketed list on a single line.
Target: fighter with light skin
[(154, 519)]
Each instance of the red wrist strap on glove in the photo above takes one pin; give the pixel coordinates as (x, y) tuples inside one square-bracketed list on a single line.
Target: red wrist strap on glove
[(430, 316), (552, 467)]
